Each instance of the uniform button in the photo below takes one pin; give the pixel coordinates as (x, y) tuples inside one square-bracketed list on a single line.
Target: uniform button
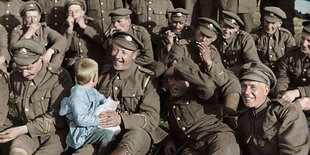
[(139, 67), (78, 35), (282, 48), (50, 68), (81, 51), (80, 43), (8, 5), (224, 43), (262, 145), (55, 15), (28, 96), (101, 3), (305, 70), (183, 128), (55, 8), (199, 64), (187, 103), (102, 19), (26, 109), (270, 56), (160, 12), (234, 53), (227, 67), (150, 9), (116, 88), (224, 52), (272, 66), (150, 2), (29, 121), (82, 56), (150, 18), (270, 47), (7, 26), (102, 11), (188, 136), (174, 107), (307, 60), (224, 61), (178, 118), (6, 18), (133, 95), (7, 11), (149, 26), (117, 77), (304, 79), (42, 98), (55, 24), (31, 84)]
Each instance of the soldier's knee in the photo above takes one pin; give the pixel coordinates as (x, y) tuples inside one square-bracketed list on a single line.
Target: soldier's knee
[(18, 151)]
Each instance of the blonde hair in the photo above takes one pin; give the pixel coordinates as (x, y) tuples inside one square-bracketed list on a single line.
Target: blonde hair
[(85, 70)]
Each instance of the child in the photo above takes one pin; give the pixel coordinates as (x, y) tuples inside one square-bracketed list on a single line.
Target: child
[(80, 108)]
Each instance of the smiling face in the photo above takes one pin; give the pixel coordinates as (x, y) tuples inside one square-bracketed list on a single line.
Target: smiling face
[(305, 42), (30, 71), (122, 58), (228, 31), (177, 26), (271, 28), (253, 93)]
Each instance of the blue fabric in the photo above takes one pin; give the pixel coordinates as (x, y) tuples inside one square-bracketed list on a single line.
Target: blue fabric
[(80, 108)]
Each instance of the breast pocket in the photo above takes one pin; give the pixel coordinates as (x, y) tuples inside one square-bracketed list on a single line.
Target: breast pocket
[(160, 16), (270, 138), (131, 99), (233, 56), (279, 51), (185, 111), (40, 102), (139, 16)]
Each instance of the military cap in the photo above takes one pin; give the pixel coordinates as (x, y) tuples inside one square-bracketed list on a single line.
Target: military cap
[(232, 19), (179, 14), (274, 14), (127, 41), (306, 25), (120, 14), (255, 71), (30, 5), (208, 26), (26, 51), (76, 2)]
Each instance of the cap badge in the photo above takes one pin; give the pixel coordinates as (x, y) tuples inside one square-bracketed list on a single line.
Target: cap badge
[(210, 26), (23, 51), (31, 5), (128, 38), (271, 14), (179, 14)]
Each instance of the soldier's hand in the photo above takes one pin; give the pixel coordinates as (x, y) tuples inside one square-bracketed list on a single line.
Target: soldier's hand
[(2, 59), (70, 21), (205, 53), (290, 95), (48, 55), (81, 22), (109, 119), (305, 103), (170, 147), (31, 30), (169, 35), (12, 133)]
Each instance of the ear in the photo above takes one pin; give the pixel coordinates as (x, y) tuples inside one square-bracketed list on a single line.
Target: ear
[(134, 55), (280, 23), (214, 38), (82, 13), (267, 90)]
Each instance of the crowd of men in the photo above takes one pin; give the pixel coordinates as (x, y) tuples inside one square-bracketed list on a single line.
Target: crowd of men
[(223, 87)]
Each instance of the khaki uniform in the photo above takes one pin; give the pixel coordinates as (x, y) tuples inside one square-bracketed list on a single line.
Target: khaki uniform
[(9, 14), (139, 106), (294, 72), (53, 13), (204, 8), (194, 118), (243, 8), (47, 37), (287, 6), (236, 51), (161, 52), (4, 93), (83, 44), (152, 14), (276, 127), (187, 5), (38, 103), (271, 48), (100, 9)]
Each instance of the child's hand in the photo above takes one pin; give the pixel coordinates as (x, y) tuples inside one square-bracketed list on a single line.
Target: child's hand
[(109, 119)]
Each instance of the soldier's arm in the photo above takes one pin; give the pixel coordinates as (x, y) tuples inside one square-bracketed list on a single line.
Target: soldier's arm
[(51, 120), (249, 49), (282, 75), (60, 45), (4, 46), (16, 35), (67, 35), (93, 31), (289, 141), (148, 115), (290, 42), (146, 56)]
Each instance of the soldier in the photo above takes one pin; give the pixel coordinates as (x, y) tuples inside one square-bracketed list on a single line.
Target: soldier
[(31, 28), (9, 14), (100, 10), (271, 39), (53, 13), (4, 93), (38, 89), (187, 5), (269, 126), (153, 15), (294, 69), (194, 119), (206, 56), (135, 88), (83, 34), (287, 6), (236, 46), (204, 8), (176, 31), (243, 8)]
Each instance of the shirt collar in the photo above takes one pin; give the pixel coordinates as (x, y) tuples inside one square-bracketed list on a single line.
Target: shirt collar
[(262, 109), (125, 74)]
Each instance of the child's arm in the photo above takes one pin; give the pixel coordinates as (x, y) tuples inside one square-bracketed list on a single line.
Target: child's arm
[(81, 114)]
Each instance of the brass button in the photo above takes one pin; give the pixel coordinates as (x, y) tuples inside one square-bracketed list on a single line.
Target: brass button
[(199, 64), (102, 19), (187, 103), (149, 26), (234, 53), (26, 109), (8, 5), (81, 51), (101, 3), (224, 52), (305, 70), (188, 136), (224, 43), (304, 79), (55, 8), (49, 68), (117, 77), (6, 18), (31, 84), (55, 24), (178, 118), (270, 56), (150, 18), (28, 96), (183, 128), (116, 88), (225, 60), (102, 11), (174, 107), (55, 15), (270, 47), (133, 95), (7, 26), (80, 43), (262, 145), (42, 98), (150, 2), (150, 9), (307, 60), (7, 11)]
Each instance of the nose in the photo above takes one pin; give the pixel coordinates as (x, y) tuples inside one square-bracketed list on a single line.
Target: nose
[(25, 73), (246, 90), (116, 24)]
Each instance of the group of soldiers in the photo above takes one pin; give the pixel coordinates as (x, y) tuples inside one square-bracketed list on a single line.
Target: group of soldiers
[(191, 60)]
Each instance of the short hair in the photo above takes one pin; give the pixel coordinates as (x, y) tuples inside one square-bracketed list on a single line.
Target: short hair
[(85, 70)]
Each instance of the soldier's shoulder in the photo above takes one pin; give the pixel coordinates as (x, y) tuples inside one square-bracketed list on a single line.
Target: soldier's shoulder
[(212, 47), (284, 30), (18, 27), (280, 103), (54, 69), (145, 70), (184, 41), (138, 28), (243, 33), (105, 68), (292, 50)]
